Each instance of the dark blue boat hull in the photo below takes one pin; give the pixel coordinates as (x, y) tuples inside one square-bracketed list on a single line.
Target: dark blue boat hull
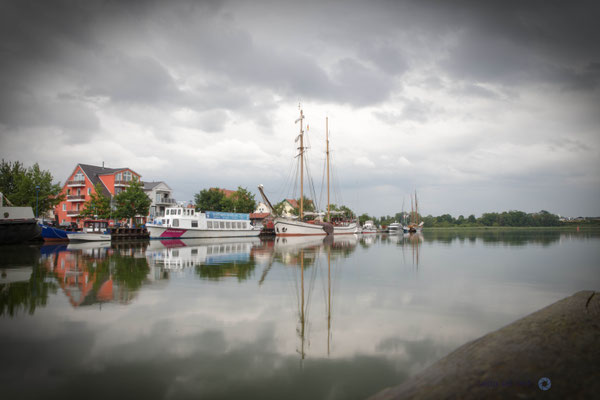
[(50, 233)]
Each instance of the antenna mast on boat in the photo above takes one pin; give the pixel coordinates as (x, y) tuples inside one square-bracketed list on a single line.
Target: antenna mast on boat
[(301, 148), (327, 152)]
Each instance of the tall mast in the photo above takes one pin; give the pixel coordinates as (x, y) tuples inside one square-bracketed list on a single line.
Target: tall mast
[(416, 209), (301, 164), (327, 151)]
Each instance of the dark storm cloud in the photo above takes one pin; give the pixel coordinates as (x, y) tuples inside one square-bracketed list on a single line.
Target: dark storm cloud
[(517, 42)]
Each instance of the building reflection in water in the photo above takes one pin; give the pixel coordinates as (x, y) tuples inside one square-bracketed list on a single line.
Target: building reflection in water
[(96, 273)]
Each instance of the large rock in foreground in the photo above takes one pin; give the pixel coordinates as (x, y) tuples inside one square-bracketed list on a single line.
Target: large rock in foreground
[(560, 342)]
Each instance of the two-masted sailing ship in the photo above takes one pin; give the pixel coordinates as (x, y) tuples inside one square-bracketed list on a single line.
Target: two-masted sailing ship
[(334, 222), (415, 224)]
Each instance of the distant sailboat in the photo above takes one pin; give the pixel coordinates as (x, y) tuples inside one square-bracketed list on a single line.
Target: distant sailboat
[(415, 224)]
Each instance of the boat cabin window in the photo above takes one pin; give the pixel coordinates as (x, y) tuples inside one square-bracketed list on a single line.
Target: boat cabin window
[(194, 224), (209, 225), (175, 222), (222, 224), (179, 211)]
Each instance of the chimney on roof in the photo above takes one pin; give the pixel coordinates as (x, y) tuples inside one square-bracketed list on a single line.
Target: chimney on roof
[(102, 164)]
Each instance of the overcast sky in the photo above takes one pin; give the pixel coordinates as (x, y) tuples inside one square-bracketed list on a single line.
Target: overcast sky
[(479, 106)]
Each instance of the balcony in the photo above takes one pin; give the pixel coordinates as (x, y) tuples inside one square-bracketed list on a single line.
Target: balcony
[(122, 183), (76, 197), (165, 201), (72, 213), (76, 183)]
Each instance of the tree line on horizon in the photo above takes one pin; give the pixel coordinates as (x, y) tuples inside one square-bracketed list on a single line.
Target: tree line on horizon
[(513, 218)]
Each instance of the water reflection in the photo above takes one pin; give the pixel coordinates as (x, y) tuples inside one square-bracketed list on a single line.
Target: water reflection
[(91, 274), (211, 259), (507, 237), (335, 317)]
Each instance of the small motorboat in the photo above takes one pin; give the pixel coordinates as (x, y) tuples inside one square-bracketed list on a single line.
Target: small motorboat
[(93, 230)]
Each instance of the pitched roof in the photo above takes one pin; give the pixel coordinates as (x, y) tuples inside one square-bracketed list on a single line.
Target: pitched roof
[(259, 215), (93, 172), (151, 185), (293, 202), (226, 192)]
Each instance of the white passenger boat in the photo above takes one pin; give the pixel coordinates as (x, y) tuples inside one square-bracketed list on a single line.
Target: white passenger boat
[(369, 227), (395, 228), (184, 223)]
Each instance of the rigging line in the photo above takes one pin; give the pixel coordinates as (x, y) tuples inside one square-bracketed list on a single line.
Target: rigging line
[(311, 186), (287, 182)]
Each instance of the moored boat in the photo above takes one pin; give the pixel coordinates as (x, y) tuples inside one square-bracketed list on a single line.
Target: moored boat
[(394, 228), (17, 224), (369, 227), (286, 226), (93, 231), (185, 223)]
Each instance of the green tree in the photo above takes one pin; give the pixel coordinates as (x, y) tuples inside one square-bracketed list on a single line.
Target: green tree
[(365, 217), (243, 201), (98, 204), (132, 201), (18, 184), (210, 200)]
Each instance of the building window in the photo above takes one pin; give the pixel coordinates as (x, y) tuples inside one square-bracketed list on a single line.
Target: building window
[(119, 176), (127, 175), (64, 206), (89, 191), (79, 177)]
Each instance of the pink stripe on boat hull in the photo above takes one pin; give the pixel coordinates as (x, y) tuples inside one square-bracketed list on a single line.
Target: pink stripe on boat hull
[(173, 233)]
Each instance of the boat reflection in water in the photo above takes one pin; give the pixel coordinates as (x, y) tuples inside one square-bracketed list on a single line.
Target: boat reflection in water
[(212, 259), (411, 245), (305, 254)]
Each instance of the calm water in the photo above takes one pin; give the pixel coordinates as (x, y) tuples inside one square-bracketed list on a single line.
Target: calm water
[(223, 319)]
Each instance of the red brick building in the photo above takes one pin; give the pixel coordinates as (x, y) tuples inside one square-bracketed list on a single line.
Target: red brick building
[(81, 184)]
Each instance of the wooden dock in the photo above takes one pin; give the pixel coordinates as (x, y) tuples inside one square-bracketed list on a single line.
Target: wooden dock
[(122, 233)]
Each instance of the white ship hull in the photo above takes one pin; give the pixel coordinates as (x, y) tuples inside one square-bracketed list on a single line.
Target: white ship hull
[(88, 237), (345, 230), (290, 227), (162, 232)]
